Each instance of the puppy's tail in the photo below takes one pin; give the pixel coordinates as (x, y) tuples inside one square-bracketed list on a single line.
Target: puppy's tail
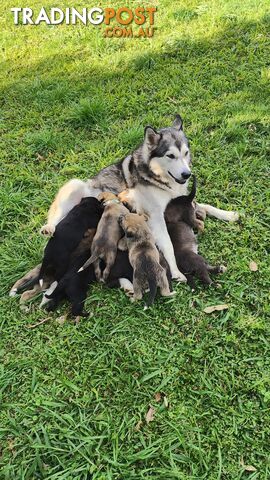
[(94, 257), (152, 290), (193, 190)]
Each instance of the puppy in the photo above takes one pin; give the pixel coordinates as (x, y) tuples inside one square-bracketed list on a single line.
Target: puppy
[(68, 234), (108, 234), (144, 258), (181, 219), (186, 253), (183, 209), (73, 286)]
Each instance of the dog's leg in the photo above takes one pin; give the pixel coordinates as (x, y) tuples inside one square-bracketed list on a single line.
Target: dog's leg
[(68, 196), (28, 280), (227, 216), (28, 294), (159, 229)]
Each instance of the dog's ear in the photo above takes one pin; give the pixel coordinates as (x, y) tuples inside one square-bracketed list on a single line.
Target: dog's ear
[(178, 122), (151, 137)]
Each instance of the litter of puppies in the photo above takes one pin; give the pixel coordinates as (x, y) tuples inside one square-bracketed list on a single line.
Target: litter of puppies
[(102, 240)]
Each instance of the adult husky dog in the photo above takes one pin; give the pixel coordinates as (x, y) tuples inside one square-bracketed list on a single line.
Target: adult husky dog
[(156, 172)]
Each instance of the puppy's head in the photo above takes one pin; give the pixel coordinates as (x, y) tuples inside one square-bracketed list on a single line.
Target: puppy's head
[(106, 196), (134, 225)]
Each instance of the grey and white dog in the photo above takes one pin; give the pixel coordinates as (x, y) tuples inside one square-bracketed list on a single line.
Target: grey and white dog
[(155, 173)]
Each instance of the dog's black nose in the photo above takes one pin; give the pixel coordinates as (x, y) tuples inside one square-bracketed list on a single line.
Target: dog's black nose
[(186, 175)]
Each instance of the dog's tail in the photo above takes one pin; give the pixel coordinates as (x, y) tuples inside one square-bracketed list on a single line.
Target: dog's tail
[(152, 289), (94, 257), (193, 190)]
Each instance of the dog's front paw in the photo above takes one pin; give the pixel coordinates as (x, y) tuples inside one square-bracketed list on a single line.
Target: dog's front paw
[(47, 230), (233, 216)]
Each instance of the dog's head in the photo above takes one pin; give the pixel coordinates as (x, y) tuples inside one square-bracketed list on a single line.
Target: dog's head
[(167, 151), (106, 196), (134, 225)]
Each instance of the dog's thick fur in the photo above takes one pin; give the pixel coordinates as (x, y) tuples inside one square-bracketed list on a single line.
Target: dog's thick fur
[(144, 258), (68, 234), (108, 234)]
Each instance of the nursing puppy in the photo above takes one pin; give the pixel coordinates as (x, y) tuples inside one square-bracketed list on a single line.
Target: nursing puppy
[(181, 220), (68, 234), (108, 234), (184, 209), (73, 286), (144, 258)]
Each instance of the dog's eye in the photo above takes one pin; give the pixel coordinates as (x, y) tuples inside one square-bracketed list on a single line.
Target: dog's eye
[(170, 155), (186, 153)]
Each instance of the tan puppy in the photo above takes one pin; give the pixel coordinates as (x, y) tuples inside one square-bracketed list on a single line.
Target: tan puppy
[(144, 258), (107, 236)]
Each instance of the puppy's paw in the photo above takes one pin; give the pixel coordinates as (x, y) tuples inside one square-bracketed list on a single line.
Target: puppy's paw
[(47, 230), (200, 213), (124, 196), (222, 269), (199, 225), (122, 244)]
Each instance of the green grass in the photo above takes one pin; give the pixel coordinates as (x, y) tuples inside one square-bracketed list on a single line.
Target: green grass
[(72, 395)]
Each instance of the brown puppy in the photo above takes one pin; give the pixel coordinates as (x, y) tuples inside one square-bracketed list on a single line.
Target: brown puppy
[(107, 236), (144, 258)]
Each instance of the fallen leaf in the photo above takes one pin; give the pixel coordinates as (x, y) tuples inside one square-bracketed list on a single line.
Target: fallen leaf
[(166, 402), (249, 468), (216, 308), (40, 157), (157, 397), (138, 426), (253, 267), (149, 417), (39, 323)]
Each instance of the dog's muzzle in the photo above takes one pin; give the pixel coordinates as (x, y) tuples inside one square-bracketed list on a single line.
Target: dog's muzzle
[(185, 177)]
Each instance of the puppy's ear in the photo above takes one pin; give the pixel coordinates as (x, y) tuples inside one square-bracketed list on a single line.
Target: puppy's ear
[(121, 218), (178, 122), (151, 137)]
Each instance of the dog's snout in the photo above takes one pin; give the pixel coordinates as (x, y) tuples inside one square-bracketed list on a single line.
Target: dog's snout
[(186, 174)]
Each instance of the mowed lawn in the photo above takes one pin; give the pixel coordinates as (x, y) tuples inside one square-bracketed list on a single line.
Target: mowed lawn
[(74, 397)]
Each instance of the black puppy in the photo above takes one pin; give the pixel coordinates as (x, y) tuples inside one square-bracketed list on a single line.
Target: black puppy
[(73, 286), (181, 220), (68, 234)]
